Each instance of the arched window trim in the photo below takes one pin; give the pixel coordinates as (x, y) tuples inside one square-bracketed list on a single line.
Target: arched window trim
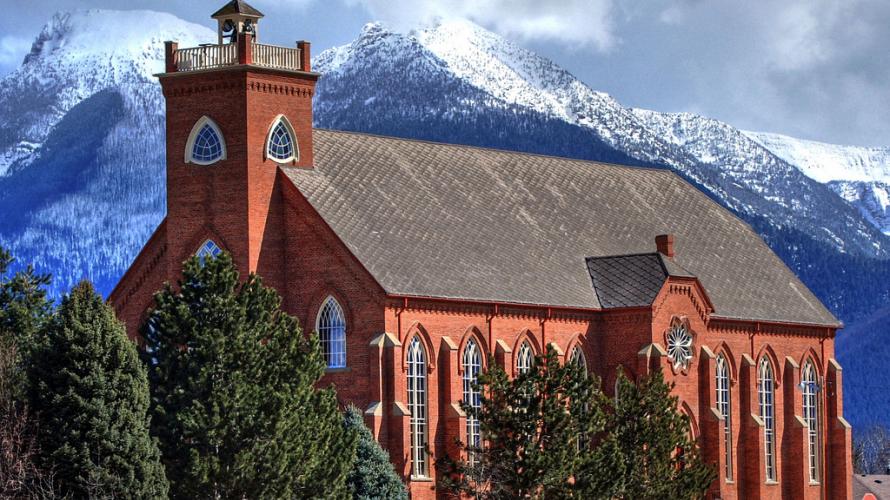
[(724, 406), (576, 355), (333, 349), (525, 357), (766, 394), (293, 136), (471, 364), (418, 388), (809, 393), (193, 136)]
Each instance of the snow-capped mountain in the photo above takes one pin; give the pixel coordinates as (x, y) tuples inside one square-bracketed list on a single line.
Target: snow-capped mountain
[(859, 175), (82, 144)]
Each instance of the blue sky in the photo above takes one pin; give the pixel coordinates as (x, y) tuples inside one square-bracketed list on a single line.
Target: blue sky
[(816, 69)]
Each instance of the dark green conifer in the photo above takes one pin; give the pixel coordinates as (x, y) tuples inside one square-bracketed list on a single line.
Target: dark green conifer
[(372, 475), (647, 448), (89, 391), (234, 399)]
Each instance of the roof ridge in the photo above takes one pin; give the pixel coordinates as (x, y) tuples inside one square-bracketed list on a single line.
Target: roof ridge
[(511, 152)]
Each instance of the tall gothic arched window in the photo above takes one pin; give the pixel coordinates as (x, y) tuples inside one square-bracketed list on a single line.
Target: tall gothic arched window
[(724, 406), (205, 144), (810, 388), (524, 358), (766, 393), (281, 145), (417, 405), (331, 328), (472, 365), (577, 357)]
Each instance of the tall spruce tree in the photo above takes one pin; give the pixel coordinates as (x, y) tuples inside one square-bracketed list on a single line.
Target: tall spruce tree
[(372, 475), (536, 430), (647, 449), (89, 391), (234, 399)]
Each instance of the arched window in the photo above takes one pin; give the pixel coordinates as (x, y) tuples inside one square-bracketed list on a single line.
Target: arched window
[(524, 358), (208, 249), (205, 144), (576, 357), (281, 144), (472, 364), (725, 409), (331, 327), (766, 393), (417, 405), (810, 387)]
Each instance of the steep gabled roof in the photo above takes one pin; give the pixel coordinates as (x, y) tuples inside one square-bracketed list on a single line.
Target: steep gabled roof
[(237, 7), (631, 280), (436, 220)]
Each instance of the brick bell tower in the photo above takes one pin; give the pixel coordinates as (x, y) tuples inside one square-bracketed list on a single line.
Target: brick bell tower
[(236, 112)]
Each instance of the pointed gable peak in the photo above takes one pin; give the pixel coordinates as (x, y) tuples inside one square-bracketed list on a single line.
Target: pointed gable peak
[(237, 7)]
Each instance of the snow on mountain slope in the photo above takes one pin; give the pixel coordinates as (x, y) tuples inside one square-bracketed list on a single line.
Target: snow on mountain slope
[(859, 175), (76, 55), (494, 73), (82, 143), (829, 162)]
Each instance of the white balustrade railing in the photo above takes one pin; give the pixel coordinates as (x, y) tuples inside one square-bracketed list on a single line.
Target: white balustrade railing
[(206, 57), (272, 56)]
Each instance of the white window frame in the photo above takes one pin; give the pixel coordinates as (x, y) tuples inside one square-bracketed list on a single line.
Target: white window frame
[(325, 331), (724, 406), (204, 251), (193, 136), (810, 396), (766, 391), (472, 364), (418, 407), (293, 136), (525, 358), (577, 357)]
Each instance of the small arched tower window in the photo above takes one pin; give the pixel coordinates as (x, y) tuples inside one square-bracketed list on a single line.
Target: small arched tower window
[(724, 406), (472, 365), (810, 388), (417, 405), (331, 327), (208, 250), (577, 358), (205, 144), (766, 394), (524, 358), (281, 145)]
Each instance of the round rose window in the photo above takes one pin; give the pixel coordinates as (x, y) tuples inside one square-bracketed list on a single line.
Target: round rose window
[(679, 345)]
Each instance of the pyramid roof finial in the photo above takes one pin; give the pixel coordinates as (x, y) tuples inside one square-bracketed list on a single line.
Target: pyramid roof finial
[(237, 7)]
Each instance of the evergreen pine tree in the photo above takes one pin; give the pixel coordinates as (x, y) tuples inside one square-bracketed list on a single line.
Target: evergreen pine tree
[(372, 475), (234, 399), (534, 429), (24, 309), (89, 391), (647, 449)]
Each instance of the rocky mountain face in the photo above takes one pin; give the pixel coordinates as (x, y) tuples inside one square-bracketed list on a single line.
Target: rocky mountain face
[(82, 147)]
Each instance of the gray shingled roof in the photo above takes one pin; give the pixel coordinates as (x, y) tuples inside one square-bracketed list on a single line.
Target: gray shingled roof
[(631, 280), (237, 7), (438, 220)]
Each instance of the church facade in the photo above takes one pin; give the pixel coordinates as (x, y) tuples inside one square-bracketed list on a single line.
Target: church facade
[(417, 261)]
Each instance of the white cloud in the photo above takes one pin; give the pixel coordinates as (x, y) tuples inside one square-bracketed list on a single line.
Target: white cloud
[(587, 23), (12, 51)]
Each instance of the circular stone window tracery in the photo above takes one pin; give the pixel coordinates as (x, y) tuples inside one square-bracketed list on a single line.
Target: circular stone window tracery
[(679, 346)]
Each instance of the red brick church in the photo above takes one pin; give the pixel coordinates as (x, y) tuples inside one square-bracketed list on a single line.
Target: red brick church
[(415, 261)]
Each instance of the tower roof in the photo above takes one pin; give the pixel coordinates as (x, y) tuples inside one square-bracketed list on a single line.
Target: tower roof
[(237, 7)]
